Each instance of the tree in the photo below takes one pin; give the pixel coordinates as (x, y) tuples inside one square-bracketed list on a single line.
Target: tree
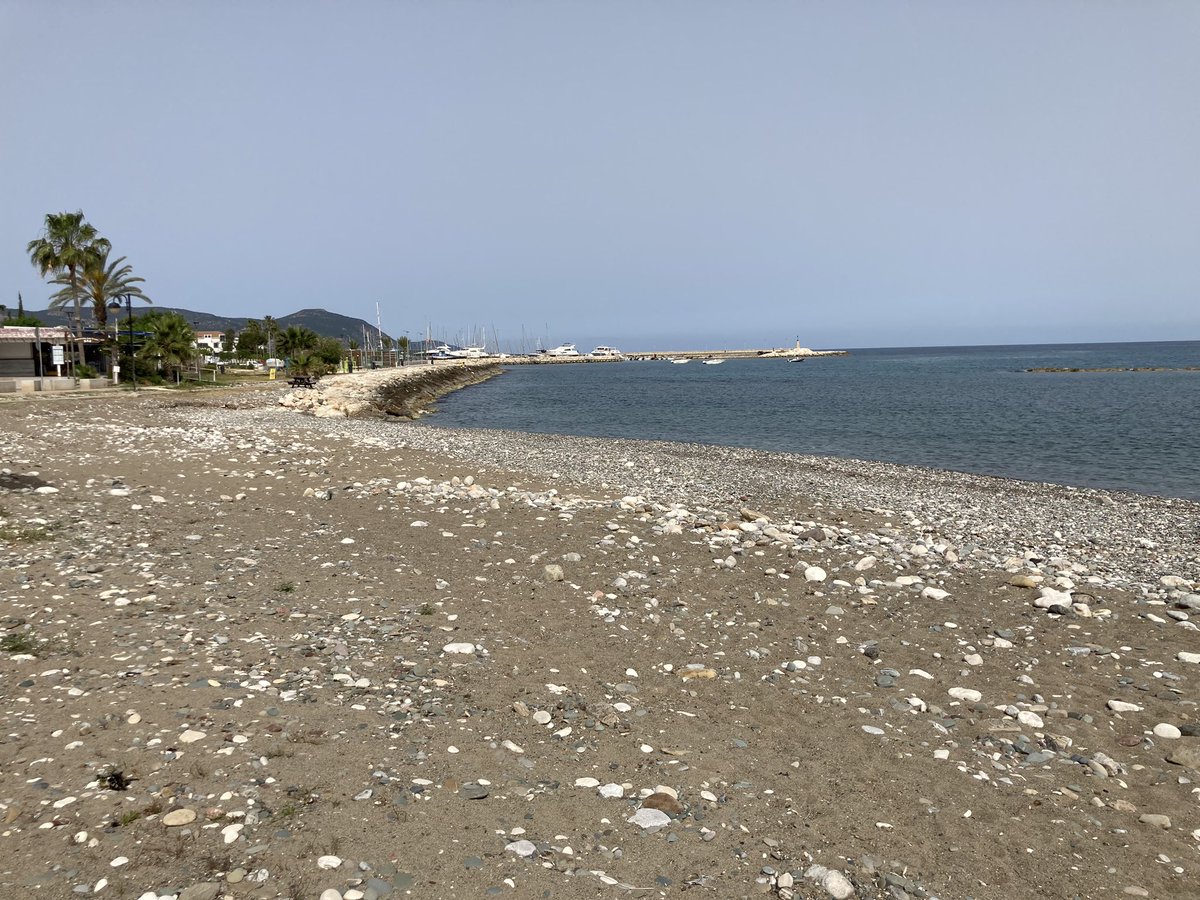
[(22, 317), (67, 245), (296, 339), (271, 331), (169, 340), (227, 340), (402, 346), (100, 282), (251, 340)]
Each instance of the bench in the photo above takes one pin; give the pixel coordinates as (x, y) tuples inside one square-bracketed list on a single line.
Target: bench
[(305, 381)]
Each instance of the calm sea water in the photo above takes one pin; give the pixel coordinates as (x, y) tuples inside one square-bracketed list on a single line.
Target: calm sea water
[(972, 409)]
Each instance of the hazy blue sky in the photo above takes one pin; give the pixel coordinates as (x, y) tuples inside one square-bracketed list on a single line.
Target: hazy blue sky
[(645, 174)]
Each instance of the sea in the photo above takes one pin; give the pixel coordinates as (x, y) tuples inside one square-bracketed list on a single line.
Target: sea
[(968, 409)]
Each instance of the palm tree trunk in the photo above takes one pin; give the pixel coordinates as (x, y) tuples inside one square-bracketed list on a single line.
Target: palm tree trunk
[(78, 317)]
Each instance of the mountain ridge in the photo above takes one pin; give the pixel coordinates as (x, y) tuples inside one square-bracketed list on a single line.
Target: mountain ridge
[(322, 321)]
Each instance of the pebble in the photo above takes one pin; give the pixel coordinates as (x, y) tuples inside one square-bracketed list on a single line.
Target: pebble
[(650, 818), (1123, 706), (177, 817)]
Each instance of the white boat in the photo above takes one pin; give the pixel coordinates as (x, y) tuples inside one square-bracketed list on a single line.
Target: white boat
[(469, 353), (603, 352), (713, 362), (441, 351), (563, 350), (682, 361)]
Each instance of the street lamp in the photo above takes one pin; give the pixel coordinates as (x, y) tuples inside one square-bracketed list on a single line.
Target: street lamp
[(114, 306)]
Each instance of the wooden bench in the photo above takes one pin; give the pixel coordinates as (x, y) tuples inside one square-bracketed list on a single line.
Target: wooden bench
[(305, 381)]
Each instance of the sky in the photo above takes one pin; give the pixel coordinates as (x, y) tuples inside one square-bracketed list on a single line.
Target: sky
[(650, 175)]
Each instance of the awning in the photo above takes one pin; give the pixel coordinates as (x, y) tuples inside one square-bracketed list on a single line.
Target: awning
[(24, 335)]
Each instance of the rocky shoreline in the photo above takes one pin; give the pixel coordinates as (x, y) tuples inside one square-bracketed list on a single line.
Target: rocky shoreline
[(253, 654), (407, 392)]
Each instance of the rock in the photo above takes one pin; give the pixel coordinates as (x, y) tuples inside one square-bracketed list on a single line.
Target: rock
[(328, 862), (521, 848), (553, 572), (832, 881), (815, 573), (1157, 821), (650, 818), (1048, 598), (967, 695), (612, 791), (1123, 706), (1168, 731), (459, 647), (1188, 755), (665, 802), (837, 885), (1025, 581), (331, 894), (1030, 719), (177, 817), (190, 736), (473, 791), (207, 891), (1184, 656), (933, 593)]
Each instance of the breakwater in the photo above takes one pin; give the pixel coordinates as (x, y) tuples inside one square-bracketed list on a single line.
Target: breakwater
[(407, 392)]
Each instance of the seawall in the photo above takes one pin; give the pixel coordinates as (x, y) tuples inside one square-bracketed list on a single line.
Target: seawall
[(406, 392)]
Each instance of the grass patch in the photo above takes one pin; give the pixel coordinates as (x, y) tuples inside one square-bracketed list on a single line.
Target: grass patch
[(285, 587), (26, 534), (426, 609), (128, 818), (19, 643)]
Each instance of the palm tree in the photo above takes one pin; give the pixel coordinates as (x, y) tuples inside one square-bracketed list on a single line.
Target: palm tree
[(296, 339), (100, 282), (67, 245), (271, 331), (169, 340)]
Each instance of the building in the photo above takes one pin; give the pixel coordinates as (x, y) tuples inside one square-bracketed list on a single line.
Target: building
[(21, 347), (211, 342), (27, 359)]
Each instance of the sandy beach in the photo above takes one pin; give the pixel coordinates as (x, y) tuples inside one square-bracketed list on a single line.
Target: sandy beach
[(251, 652)]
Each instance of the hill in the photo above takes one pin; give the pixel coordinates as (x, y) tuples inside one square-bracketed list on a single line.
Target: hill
[(322, 321)]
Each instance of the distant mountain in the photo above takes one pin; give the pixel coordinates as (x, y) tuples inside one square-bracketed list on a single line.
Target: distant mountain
[(322, 321)]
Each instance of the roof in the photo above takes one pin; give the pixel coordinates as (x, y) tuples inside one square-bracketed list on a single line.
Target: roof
[(24, 335)]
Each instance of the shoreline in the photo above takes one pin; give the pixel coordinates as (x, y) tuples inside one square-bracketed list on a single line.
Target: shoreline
[(773, 477), (717, 477), (385, 658)]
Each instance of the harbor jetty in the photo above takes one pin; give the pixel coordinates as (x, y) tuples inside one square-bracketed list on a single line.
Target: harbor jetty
[(405, 392)]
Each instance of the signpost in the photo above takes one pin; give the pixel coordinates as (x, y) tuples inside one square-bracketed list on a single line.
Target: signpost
[(56, 358)]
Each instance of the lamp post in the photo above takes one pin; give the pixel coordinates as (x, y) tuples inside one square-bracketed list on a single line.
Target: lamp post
[(115, 307)]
